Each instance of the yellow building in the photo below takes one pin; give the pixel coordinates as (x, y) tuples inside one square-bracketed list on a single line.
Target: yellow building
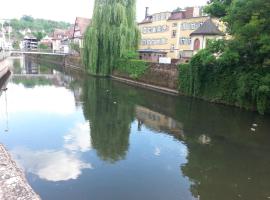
[(168, 34)]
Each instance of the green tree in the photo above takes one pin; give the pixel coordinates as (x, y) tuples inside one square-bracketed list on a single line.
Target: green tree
[(112, 33), (235, 71), (39, 35)]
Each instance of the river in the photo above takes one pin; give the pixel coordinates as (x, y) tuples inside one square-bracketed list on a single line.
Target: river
[(79, 137)]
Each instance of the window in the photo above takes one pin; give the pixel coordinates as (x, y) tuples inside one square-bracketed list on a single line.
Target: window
[(174, 34), (160, 41), (172, 48), (184, 41), (191, 26), (174, 25), (164, 28), (144, 30)]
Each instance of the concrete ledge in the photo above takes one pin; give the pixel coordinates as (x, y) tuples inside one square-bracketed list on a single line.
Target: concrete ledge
[(148, 86), (13, 184)]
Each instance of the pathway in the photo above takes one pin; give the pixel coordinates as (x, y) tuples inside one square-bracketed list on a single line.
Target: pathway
[(13, 184)]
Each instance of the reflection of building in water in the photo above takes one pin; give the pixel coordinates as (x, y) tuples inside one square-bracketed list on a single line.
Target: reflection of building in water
[(158, 121), (30, 66)]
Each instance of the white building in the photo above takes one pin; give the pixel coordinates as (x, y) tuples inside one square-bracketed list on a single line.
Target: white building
[(80, 27), (200, 37)]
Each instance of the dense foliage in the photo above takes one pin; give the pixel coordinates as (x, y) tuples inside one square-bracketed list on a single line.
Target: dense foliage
[(36, 25), (235, 71), (133, 67), (112, 33), (39, 27)]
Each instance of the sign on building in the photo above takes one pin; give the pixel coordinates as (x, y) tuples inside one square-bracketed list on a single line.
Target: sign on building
[(165, 60)]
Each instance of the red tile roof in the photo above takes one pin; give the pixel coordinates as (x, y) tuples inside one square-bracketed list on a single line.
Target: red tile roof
[(82, 24)]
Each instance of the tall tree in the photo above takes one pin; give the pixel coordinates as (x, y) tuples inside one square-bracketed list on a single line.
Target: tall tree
[(113, 32), (248, 22)]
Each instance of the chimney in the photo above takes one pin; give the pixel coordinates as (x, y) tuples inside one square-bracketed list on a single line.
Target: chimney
[(146, 12)]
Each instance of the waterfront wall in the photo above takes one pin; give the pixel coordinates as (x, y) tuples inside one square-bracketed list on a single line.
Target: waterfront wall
[(160, 75), (52, 59), (163, 75), (70, 61)]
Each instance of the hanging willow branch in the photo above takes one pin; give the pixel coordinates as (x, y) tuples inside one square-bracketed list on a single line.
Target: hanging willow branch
[(113, 32)]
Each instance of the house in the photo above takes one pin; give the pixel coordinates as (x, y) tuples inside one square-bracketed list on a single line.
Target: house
[(169, 33), (30, 43), (47, 41), (59, 35), (80, 27), (200, 37)]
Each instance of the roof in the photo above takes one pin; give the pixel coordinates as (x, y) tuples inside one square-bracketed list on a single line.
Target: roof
[(59, 34), (182, 14), (148, 19), (186, 13), (82, 24), (207, 28)]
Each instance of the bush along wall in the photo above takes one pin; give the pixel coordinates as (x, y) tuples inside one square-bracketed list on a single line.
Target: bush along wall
[(218, 74), (132, 67)]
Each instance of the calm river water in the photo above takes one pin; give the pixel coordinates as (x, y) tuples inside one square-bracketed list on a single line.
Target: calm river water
[(91, 138)]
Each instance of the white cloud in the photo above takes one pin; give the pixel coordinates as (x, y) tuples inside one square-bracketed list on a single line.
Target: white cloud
[(44, 99), (157, 151), (61, 165), (50, 165), (78, 139)]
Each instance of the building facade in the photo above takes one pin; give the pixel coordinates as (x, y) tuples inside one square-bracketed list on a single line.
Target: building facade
[(170, 33), (80, 27), (30, 43)]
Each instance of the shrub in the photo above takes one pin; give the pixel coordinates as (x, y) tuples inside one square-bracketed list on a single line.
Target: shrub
[(134, 68)]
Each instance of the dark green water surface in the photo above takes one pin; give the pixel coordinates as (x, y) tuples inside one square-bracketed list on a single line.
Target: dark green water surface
[(88, 138)]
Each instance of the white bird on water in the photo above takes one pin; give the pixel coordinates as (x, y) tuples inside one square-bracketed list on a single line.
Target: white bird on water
[(255, 125)]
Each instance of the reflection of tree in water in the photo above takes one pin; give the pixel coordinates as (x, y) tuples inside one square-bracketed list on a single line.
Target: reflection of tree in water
[(225, 160), (110, 115)]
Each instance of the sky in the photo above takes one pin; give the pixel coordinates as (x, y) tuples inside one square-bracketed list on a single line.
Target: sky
[(68, 10)]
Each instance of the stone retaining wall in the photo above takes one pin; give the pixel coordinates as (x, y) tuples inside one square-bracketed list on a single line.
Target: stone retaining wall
[(163, 75), (13, 184)]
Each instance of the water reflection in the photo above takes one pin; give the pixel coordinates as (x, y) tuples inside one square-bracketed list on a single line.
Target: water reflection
[(110, 115), (50, 165), (158, 122), (58, 165), (163, 146), (78, 139)]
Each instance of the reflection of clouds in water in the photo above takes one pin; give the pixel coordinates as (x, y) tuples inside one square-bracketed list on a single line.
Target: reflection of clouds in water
[(50, 165), (78, 138), (157, 151), (38, 99), (59, 165)]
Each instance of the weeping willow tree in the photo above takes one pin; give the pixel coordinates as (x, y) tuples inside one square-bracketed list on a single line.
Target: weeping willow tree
[(113, 33)]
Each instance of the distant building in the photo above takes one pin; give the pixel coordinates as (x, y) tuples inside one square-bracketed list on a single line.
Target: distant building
[(169, 33), (47, 41), (59, 35), (80, 27), (208, 31), (30, 43), (2, 41)]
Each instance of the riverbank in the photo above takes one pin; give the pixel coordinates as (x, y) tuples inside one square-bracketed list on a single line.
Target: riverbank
[(13, 184), (159, 77), (4, 68)]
